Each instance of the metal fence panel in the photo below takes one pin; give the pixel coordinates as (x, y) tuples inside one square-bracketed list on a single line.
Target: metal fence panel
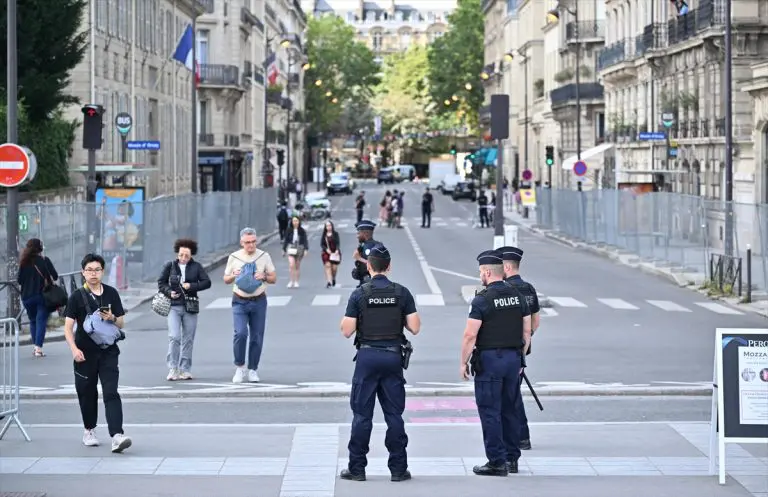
[(9, 376), (668, 228)]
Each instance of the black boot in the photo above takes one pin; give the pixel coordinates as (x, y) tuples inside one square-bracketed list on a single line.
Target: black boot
[(525, 444), (512, 466), (488, 470), (348, 475), (406, 475)]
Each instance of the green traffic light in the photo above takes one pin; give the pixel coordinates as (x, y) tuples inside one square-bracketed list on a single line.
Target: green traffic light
[(550, 162)]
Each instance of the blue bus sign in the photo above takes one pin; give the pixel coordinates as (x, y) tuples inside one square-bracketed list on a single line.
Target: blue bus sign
[(143, 145), (651, 136), (668, 119)]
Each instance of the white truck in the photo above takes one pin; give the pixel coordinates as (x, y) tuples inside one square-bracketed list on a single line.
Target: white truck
[(439, 169)]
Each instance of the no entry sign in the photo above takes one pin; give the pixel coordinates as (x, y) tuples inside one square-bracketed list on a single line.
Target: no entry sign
[(14, 165)]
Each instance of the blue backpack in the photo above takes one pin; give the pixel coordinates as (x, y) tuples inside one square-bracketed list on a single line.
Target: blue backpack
[(246, 280)]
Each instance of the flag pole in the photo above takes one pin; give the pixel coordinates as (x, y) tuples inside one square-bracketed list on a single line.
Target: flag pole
[(193, 179), (174, 138)]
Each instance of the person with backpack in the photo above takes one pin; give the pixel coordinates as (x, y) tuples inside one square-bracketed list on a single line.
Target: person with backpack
[(97, 310), (282, 220), (36, 274), (248, 270), (181, 280)]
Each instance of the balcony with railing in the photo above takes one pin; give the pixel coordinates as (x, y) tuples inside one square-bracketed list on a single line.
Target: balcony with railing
[(250, 19), (205, 5), (654, 37), (585, 32), (612, 55), (219, 75), (566, 95)]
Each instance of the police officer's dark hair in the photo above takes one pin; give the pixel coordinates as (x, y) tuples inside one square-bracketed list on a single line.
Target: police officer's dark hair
[(378, 264), (92, 258)]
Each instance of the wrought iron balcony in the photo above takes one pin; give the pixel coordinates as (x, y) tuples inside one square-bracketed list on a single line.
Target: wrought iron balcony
[(219, 75), (248, 17), (205, 5), (583, 31), (270, 12), (654, 37), (565, 94), (612, 55)]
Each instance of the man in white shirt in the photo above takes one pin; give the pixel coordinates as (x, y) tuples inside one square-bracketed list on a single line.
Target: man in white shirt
[(249, 308)]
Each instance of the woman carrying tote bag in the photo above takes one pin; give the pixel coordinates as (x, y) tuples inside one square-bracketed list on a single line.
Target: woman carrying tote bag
[(37, 277)]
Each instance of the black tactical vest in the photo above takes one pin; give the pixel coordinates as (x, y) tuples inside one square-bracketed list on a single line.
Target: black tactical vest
[(503, 327), (381, 317), (523, 287)]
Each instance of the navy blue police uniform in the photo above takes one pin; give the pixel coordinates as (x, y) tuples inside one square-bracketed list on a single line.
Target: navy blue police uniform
[(496, 363), (532, 298), (360, 273), (380, 307)]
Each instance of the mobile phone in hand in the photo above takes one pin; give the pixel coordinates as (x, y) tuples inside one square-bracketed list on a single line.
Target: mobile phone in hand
[(104, 309)]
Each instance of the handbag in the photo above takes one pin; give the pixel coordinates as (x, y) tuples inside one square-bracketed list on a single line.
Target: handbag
[(335, 257), (53, 295), (161, 304), (292, 250)]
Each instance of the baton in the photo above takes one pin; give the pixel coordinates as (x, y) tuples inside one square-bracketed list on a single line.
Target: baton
[(533, 392)]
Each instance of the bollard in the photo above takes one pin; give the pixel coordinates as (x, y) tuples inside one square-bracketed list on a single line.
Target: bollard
[(9, 375), (749, 274)]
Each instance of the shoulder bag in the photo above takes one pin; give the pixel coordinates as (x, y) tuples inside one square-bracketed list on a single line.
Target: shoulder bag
[(161, 303), (53, 295), (191, 304)]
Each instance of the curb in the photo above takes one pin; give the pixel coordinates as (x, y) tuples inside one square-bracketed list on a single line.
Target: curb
[(57, 334), (700, 391), (468, 293)]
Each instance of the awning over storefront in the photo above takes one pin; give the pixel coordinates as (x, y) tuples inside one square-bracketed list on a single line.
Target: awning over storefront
[(490, 157), (589, 155)]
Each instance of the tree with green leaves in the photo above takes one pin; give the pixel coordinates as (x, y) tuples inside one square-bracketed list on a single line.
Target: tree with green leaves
[(344, 68), (51, 43), (456, 59)]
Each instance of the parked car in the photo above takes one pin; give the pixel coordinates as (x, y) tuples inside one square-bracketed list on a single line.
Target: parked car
[(448, 183), (385, 175), (464, 190), (340, 183)]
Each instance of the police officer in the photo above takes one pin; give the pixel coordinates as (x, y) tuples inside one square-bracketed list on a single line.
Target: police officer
[(499, 331), (378, 311), (365, 243), (512, 257)]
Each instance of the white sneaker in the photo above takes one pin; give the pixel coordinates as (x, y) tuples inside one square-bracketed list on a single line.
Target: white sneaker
[(239, 375), (295, 284), (89, 439), (253, 376), (120, 442), (173, 375), (185, 375), (290, 284)]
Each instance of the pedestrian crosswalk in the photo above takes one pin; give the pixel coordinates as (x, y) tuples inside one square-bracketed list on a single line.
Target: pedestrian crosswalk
[(437, 222), (323, 300), (623, 305)]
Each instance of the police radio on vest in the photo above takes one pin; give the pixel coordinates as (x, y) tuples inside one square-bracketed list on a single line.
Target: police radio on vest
[(506, 302), (381, 300)]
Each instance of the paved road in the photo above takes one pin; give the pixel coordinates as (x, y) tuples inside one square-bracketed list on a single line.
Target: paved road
[(610, 325)]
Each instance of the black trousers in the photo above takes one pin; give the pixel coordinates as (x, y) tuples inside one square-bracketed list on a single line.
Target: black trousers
[(359, 215), (426, 218), (484, 217), (282, 227), (99, 365)]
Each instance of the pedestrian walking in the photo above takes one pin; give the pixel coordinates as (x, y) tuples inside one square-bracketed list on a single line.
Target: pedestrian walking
[(97, 310), (512, 257), (376, 314), (247, 270), (427, 207), (36, 274), (496, 336), (360, 206), (384, 207), (181, 280), (330, 245), (282, 219), (295, 246)]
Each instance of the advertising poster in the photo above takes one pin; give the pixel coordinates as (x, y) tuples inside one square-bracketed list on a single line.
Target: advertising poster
[(121, 214), (753, 385)]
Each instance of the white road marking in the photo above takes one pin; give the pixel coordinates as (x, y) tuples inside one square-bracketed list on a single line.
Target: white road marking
[(220, 303), (567, 302), (547, 311), (278, 301), (429, 300), (718, 308), (461, 223), (326, 300), (666, 305), (454, 273), (431, 281), (619, 304)]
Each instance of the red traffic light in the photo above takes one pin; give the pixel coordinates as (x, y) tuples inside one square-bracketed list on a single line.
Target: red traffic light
[(92, 110)]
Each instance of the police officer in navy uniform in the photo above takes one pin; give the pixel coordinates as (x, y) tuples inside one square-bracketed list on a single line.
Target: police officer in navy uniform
[(512, 257), (377, 312), (496, 338), (365, 243)]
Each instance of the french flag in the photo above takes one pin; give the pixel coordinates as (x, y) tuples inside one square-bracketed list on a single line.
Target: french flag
[(272, 70), (184, 50)]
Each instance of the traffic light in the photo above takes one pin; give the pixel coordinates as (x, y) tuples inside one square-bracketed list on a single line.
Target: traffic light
[(280, 157), (453, 149), (550, 155), (92, 125)]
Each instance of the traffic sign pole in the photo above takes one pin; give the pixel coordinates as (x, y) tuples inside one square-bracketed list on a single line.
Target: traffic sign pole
[(12, 198)]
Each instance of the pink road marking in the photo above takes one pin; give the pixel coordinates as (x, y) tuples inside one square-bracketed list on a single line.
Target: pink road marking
[(447, 404), (444, 420)]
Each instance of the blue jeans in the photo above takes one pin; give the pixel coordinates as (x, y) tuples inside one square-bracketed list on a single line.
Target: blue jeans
[(250, 318), (38, 318)]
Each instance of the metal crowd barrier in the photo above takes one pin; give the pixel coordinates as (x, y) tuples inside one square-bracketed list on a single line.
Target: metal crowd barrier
[(9, 366)]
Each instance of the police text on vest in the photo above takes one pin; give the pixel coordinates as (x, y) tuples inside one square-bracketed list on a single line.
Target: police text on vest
[(381, 300), (506, 302)]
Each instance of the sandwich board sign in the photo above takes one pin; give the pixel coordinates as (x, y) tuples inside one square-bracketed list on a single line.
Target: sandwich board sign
[(740, 402)]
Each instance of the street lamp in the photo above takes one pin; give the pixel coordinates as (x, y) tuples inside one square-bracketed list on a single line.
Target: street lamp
[(468, 86), (293, 60), (285, 42), (553, 16)]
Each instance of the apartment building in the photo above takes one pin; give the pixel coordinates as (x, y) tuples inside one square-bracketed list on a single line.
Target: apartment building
[(286, 123), (388, 26), (128, 68)]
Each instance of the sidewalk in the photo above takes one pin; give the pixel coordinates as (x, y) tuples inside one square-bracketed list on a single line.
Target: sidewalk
[(677, 275), (135, 296), (595, 459)]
